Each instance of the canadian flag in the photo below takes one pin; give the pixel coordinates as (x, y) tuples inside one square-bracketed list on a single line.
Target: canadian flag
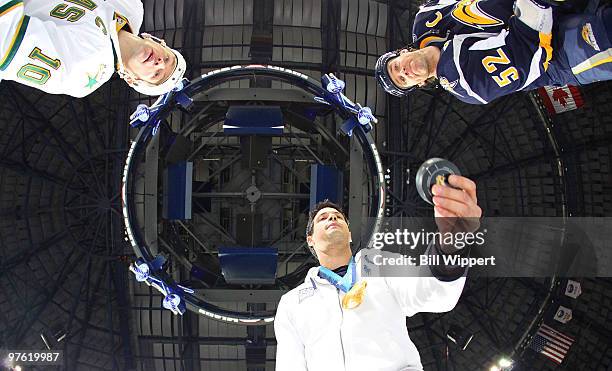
[(561, 99)]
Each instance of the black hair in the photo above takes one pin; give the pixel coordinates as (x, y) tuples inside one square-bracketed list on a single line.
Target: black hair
[(314, 211)]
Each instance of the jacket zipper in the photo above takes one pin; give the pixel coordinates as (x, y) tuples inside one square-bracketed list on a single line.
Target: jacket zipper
[(341, 322)]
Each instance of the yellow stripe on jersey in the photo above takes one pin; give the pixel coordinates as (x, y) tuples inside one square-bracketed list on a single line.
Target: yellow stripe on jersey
[(10, 6), (15, 42), (594, 61), (428, 40), (468, 12), (545, 41)]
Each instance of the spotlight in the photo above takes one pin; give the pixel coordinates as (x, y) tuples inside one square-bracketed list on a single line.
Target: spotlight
[(504, 362)]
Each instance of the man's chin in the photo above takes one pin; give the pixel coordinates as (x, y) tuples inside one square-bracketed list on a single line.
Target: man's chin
[(337, 236)]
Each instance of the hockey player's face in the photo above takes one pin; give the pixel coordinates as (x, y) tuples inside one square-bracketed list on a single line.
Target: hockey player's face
[(329, 226), (409, 68), (152, 62)]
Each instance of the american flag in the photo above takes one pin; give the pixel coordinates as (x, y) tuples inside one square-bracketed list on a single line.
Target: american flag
[(551, 343)]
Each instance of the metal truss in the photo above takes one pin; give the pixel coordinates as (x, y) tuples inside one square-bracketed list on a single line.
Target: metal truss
[(65, 156)]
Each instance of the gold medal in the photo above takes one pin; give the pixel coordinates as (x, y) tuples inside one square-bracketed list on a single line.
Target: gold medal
[(355, 296)]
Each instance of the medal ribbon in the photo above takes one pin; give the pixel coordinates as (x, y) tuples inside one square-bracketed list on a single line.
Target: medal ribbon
[(342, 283)]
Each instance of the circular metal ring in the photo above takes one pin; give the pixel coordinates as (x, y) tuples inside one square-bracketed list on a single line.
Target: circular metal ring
[(167, 103)]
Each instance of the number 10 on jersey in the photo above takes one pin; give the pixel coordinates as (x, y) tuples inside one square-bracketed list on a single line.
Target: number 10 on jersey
[(36, 74)]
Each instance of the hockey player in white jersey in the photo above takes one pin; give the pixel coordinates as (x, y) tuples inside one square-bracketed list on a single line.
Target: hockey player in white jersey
[(74, 46)]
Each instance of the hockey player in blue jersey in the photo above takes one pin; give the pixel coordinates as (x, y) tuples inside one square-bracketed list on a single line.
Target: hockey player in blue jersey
[(479, 50)]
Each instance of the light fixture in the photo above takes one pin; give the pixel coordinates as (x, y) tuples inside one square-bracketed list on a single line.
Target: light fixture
[(459, 336), (53, 337), (6, 363), (504, 362)]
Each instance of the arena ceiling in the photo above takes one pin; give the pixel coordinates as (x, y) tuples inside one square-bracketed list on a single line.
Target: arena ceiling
[(64, 257)]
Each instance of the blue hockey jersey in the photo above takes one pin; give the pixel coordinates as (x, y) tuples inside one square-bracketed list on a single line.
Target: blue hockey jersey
[(492, 57), (438, 20)]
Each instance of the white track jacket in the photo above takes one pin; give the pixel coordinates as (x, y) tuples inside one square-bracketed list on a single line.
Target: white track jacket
[(314, 333)]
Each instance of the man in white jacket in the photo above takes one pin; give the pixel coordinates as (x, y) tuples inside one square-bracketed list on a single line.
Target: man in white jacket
[(316, 332), (74, 46)]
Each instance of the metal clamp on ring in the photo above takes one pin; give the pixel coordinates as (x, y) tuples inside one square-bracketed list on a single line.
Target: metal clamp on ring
[(173, 294), (363, 115)]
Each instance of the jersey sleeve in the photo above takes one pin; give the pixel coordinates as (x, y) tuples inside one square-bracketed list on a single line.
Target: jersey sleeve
[(290, 351), (478, 68), (413, 287), (425, 294), (13, 26)]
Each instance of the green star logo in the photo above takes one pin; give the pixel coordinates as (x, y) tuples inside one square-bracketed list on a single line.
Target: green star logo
[(92, 81)]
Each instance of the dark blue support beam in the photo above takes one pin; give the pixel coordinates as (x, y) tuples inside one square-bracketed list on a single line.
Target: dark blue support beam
[(473, 128), (429, 114), (27, 170), (330, 36), (44, 130), (262, 37), (546, 154), (402, 32), (120, 277), (190, 352), (568, 152), (202, 340), (109, 314), (481, 317), (83, 123), (77, 296), (193, 34), (33, 313), (256, 342), (91, 303), (25, 256), (434, 128), (397, 121), (429, 332)]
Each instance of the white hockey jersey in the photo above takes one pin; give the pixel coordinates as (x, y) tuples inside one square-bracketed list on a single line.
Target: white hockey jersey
[(63, 47)]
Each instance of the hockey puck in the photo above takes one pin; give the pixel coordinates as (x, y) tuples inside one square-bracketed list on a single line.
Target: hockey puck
[(434, 171)]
